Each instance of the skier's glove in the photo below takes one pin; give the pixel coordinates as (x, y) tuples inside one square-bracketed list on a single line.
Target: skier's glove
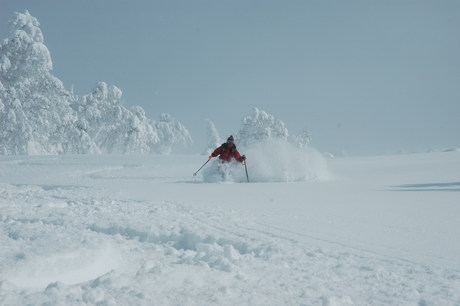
[(243, 158), (209, 157)]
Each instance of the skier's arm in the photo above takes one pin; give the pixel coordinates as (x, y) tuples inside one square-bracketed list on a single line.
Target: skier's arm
[(238, 156), (217, 152)]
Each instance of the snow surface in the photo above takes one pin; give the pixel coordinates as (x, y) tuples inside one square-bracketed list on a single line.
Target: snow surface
[(141, 230)]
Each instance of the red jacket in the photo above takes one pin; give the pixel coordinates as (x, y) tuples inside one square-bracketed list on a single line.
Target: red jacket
[(226, 152)]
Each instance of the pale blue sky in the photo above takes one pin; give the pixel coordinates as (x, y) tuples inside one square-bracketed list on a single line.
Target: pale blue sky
[(364, 76)]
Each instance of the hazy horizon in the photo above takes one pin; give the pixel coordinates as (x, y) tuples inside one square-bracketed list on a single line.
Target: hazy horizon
[(364, 77)]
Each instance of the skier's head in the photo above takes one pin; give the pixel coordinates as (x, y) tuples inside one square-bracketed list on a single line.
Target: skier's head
[(230, 140)]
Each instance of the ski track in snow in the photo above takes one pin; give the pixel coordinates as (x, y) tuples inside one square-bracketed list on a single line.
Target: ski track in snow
[(69, 238)]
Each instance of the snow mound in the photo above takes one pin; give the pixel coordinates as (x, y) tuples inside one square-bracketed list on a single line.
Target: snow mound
[(69, 268)]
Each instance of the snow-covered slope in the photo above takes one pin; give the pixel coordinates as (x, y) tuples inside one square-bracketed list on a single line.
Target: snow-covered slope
[(142, 230)]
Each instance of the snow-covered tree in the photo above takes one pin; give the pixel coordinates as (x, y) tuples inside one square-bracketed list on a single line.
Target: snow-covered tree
[(35, 117), (171, 133), (261, 126), (142, 136), (301, 140), (114, 128), (39, 116), (214, 139)]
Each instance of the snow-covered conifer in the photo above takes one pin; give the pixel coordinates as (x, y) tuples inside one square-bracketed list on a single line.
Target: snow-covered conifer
[(36, 117), (39, 116), (301, 140), (171, 133), (261, 126), (214, 139), (114, 128)]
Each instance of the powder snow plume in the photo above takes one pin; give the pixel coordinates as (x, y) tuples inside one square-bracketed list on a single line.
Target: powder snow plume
[(271, 160), (275, 160)]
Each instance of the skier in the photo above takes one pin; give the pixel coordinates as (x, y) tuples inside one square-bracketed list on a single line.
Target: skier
[(227, 152)]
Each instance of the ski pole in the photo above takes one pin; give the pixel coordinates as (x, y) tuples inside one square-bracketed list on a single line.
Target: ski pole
[(209, 158), (246, 168)]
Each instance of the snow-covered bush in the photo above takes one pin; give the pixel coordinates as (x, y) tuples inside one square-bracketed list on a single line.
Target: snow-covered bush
[(260, 126), (39, 116)]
